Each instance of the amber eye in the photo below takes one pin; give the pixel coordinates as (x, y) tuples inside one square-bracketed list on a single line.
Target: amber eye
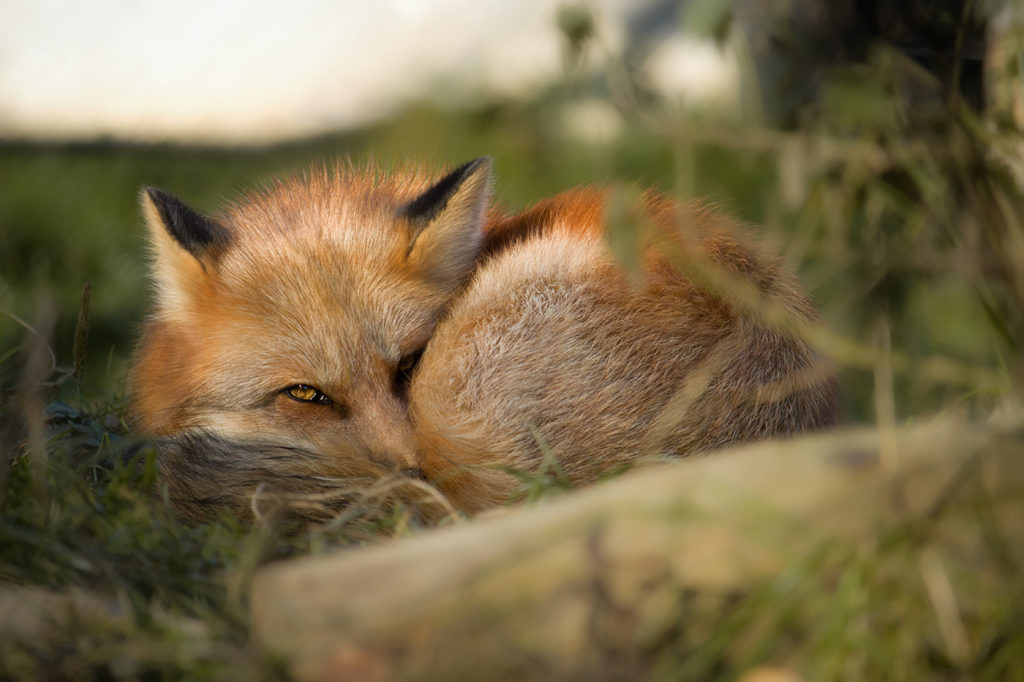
[(305, 393)]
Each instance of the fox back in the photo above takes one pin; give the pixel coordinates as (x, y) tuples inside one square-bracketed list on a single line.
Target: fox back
[(279, 352), (556, 347)]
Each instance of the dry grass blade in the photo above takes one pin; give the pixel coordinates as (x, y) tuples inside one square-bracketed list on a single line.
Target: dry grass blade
[(81, 341)]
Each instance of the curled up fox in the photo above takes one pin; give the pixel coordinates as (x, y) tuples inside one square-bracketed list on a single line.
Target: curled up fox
[(357, 324)]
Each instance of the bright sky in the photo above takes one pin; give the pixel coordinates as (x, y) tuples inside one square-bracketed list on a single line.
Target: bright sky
[(260, 70), (246, 71)]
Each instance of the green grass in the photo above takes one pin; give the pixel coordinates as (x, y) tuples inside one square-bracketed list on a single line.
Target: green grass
[(892, 209)]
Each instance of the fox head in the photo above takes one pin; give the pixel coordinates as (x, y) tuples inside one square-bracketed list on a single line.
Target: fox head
[(285, 329)]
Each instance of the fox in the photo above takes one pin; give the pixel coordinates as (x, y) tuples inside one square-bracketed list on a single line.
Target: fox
[(355, 325)]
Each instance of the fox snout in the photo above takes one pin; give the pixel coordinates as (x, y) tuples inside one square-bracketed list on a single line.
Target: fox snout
[(404, 464), (383, 425)]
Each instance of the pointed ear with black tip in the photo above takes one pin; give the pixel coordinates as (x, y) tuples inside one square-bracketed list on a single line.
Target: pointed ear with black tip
[(185, 245), (446, 224)]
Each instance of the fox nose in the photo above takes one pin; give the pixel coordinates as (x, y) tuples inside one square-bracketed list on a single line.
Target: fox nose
[(414, 472), (403, 465)]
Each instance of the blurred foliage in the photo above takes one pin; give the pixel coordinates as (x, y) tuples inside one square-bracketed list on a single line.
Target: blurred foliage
[(885, 198), (892, 192)]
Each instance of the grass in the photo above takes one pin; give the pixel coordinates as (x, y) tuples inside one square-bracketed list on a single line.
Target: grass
[(896, 204), (846, 613)]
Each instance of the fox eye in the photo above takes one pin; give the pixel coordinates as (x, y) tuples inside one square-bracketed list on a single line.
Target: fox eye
[(406, 366), (305, 393)]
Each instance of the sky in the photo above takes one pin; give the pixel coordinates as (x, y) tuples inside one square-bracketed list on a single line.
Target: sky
[(237, 71), (245, 70)]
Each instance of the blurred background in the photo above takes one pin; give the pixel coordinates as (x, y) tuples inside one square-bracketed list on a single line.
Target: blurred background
[(876, 144)]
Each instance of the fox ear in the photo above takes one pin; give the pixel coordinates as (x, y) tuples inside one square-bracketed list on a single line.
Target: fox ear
[(184, 245), (446, 223)]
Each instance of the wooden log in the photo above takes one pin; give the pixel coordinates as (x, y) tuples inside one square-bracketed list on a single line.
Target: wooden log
[(573, 587)]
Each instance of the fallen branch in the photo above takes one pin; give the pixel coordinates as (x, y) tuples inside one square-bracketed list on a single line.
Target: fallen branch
[(583, 586)]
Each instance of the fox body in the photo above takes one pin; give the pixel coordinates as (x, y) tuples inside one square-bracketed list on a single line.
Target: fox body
[(345, 327), (553, 346)]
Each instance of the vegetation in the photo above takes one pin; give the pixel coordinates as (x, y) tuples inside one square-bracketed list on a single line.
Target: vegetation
[(898, 203)]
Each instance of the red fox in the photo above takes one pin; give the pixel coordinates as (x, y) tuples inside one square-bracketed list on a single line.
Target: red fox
[(350, 325)]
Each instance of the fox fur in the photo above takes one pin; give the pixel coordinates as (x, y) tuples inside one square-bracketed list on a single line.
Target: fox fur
[(350, 326), (554, 347), (333, 281)]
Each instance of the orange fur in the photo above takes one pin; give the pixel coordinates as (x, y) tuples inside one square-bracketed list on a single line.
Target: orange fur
[(553, 342), (530, 330), (325, 281)]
